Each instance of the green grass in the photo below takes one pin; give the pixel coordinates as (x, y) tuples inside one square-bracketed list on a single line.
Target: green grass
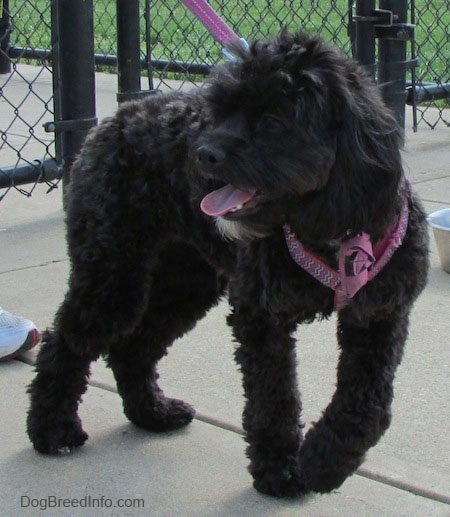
[(175, 33)]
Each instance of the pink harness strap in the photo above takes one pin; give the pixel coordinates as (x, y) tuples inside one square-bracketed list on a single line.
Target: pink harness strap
[(359, 261)]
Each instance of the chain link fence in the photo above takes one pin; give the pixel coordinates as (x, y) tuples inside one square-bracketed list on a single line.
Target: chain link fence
[(176, 52), (432, 47), (26, 93)]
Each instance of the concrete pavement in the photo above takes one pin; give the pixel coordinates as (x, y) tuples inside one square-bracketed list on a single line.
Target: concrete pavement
[(200, 471)]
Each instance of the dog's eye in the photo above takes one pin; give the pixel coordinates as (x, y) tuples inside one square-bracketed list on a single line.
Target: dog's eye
[(270, 122)]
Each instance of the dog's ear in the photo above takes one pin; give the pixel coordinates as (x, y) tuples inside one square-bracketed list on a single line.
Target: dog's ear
[(368, 161), (362, 192)]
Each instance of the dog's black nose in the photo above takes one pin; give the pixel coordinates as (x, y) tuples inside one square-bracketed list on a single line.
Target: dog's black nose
[(211, 155)]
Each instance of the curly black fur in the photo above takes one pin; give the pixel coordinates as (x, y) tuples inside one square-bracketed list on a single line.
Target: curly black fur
[(300, 124)]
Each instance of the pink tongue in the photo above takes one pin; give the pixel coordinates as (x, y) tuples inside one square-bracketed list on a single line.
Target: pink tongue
[(221, 201)]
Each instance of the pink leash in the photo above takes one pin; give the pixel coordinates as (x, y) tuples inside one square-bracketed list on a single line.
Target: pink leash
[(359, 261), (214, 23)]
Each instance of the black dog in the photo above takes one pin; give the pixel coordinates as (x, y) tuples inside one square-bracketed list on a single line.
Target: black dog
[(291, 139)]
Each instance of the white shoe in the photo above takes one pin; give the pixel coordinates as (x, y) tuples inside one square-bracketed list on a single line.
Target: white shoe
[(17, 335)]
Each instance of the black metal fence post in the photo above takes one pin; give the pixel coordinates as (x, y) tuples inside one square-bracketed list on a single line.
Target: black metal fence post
[(392, 63), (76, 71), (128, 50), (56, 82), (389, 25), (5, 28), (365, 34)]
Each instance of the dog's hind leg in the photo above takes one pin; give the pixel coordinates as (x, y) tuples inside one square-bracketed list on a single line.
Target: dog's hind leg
[(79, 336), (53, 424), (183, 288), (359, 412), (104, 301)]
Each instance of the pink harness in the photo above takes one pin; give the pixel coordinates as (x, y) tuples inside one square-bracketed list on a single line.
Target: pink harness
[(359, 261)]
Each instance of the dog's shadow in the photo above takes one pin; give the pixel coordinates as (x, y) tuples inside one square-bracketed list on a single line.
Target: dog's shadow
[(172, 473), (249, 502)]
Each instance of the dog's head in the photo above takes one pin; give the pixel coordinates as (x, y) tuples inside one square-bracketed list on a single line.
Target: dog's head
[(299, 134)]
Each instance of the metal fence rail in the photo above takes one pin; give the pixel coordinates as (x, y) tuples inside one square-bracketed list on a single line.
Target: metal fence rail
[(166, 42)]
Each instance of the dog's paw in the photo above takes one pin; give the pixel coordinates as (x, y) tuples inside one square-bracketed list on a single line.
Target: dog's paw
[(321, 479), (57, 437), (165, 414), (286, 483), (325, 463)]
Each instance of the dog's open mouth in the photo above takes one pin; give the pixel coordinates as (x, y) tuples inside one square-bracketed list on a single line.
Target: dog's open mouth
[(228, 200)]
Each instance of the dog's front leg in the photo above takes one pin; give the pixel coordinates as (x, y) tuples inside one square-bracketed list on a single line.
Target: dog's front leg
[(359, 412), (271, 418)]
